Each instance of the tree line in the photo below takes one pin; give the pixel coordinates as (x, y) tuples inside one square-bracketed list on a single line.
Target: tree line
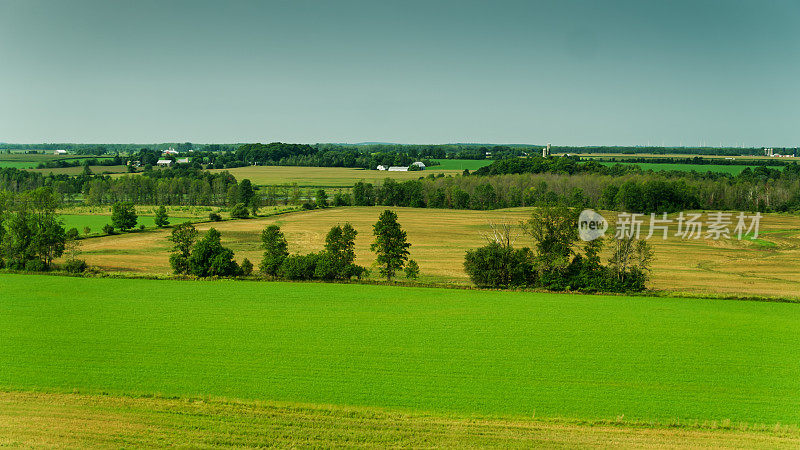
[(557, 261)]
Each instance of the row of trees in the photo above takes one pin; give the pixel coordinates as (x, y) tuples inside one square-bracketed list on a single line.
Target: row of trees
[(556, 261), (634, 192), (207, 257)]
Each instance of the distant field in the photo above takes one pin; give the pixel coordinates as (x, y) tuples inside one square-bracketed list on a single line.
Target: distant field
[(96, 216), (768, 266), (443, 351), (323, 176), (461, 164), (731, 169), (96, 222), (79, 169), (18, 164)]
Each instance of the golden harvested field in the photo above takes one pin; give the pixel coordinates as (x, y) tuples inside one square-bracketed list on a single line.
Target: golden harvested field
[(323, 176), (72, 420), (766, 267)]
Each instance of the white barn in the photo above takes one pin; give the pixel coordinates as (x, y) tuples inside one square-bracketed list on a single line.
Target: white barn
[(419, 164), (398, 169), (164, 162), (381, 167)]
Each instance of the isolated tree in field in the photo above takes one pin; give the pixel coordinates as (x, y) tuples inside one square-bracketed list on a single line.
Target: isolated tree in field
[(162, 219), (209, 258), (337, 261), (390, 244), (123, 215), (87, 230), (183, 238), (276, 249)]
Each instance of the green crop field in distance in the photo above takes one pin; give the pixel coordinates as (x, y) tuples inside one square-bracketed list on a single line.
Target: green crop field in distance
[(96, 222), (461, 164), (489, 353)]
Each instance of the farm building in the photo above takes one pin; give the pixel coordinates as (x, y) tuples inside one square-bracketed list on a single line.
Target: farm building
[(381, 167), (398, 169), (419, 164), (182, 161), (170, 151), (60, 152), (164, 162)]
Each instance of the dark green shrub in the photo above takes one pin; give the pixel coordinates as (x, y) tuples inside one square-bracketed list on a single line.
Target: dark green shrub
[(412, 270), (75, 266), (72, 234), (214, 217), (35, 265)]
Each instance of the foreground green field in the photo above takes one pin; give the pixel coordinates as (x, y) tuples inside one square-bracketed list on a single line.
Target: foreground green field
[(79, 421), (439, 351), (765, 267)]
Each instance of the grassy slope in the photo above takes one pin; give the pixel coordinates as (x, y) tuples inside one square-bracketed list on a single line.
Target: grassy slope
[(36, 419), (706, 266), (434, 350)]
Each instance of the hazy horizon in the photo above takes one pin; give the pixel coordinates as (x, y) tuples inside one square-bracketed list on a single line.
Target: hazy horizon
[(573, 73)]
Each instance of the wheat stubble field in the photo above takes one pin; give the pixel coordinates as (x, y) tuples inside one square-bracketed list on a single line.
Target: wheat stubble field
[(764, 267)]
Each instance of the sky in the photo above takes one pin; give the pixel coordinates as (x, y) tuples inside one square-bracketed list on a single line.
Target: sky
[(571, 72)]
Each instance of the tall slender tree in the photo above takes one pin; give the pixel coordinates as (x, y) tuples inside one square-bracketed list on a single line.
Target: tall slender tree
[(390, 244)]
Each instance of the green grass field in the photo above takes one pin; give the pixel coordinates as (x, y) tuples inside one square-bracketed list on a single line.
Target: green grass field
[(469, 353), (731, 169), (460, 164), (96, 222)]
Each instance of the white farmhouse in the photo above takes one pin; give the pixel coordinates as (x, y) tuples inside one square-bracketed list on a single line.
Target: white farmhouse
[(381, 167), (164, 162), (60, 152)]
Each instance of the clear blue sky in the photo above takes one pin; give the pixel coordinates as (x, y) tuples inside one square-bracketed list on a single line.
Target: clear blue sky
[(566, 72)]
